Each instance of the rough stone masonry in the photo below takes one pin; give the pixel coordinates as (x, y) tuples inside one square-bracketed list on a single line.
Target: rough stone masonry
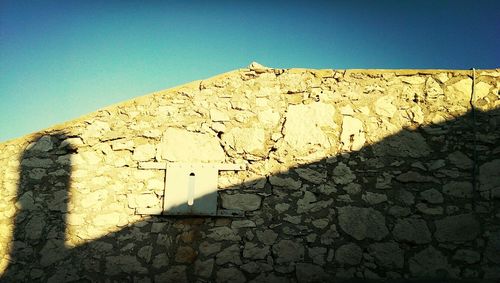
[(368, 174)]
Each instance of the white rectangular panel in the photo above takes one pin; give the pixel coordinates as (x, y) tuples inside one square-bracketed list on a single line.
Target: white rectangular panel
[(190, 189)]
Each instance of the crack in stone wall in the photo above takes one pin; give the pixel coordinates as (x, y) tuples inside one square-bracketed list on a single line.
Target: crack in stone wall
[(351, 174)]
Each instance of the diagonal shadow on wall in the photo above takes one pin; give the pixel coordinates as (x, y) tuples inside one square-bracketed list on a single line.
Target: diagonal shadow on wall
[(167, 249)]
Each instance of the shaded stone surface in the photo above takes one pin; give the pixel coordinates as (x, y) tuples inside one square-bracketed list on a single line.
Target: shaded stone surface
[(467, 256), (431, 263), (204, 268), (267, 237), (412, 230), (287, 251), (313, 176), (348, 254), (407, 144), (458, 189), (432, 196), (342, 174), (175, 273), (493, 247), (245, 202), (457, 228), (272, 278), (460, 160), (230, 275), (255, 251), (185, 254), (489, 179), (362, 223), (123, 264), (230, 254), (223, 233), (387, 255), (306, 272)]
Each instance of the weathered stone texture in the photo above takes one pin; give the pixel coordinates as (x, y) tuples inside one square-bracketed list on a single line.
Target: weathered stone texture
[(457, 228), (245, 202), (358, 174), (405, 144), (175, 273), (349, 254), (387, 255), (352, 136), (307, 272), (195, 147), (493, 247), (412, 230), (431, 263), (489, 178), (362, 223), (247, 141), (288, 251), (303, 126)]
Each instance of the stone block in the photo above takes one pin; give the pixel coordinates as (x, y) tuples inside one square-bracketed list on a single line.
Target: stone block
[(179, 145)]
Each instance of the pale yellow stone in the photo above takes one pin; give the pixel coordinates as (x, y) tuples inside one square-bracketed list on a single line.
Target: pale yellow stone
[(442, 77), (346, 110), (142, 200), (95, 130), (352, 136), (384, 106), (109, 219), (155, 185), (294, 81), (93, 198), (433, 89), (75, 219), (415, 114), (255, 65), (4, 263), (144, 152), (184, 146), (365, 110), (269, 117), (261, 102), (268, 91), (481, 90), (276, 136), (460, 90), (414, 80), (246, 140), (325, 73), (86, 158), (303, 125), (219, 127), (218, 116), (152, 133)]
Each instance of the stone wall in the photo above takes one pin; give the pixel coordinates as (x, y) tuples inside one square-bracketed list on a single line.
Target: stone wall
[(350, 174)]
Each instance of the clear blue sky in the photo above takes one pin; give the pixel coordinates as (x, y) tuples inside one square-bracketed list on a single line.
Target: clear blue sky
[(62, 59)]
